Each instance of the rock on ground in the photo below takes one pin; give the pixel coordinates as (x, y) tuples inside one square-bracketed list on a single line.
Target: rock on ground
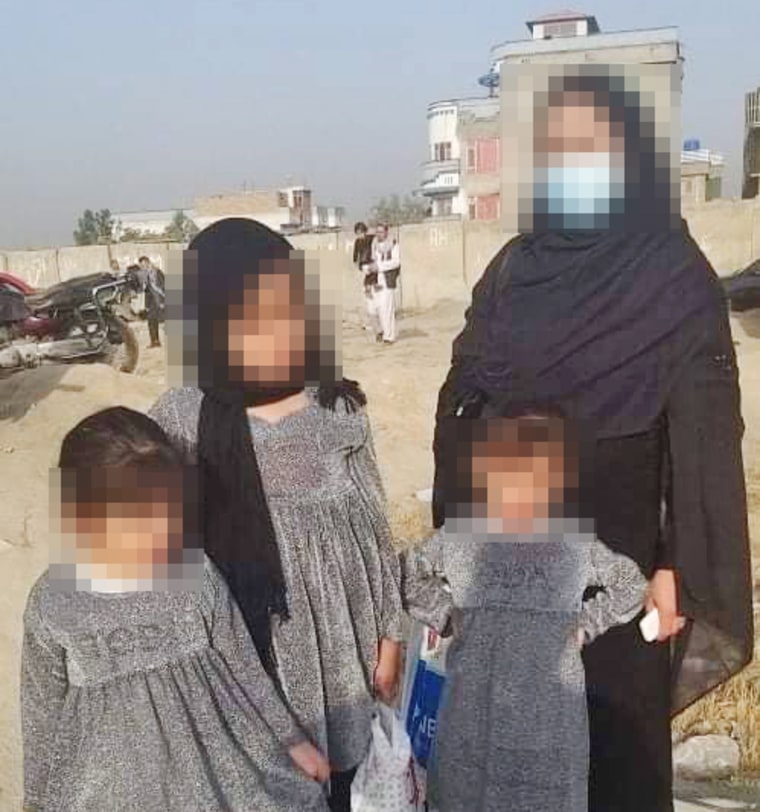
[(706, 758)]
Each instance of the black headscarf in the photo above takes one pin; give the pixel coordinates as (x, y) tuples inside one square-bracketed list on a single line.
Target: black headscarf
[(238, 530), (600, 322)]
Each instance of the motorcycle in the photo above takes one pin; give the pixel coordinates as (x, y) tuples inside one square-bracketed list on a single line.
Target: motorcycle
[(79, 320)]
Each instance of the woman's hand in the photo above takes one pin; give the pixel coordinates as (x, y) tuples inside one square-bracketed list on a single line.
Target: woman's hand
[(663, 595), (385, 678), (310, 761)]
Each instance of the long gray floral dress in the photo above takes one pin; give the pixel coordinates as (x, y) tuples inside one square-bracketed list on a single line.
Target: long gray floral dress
[(152, 701), (343, 578), (513, 726)]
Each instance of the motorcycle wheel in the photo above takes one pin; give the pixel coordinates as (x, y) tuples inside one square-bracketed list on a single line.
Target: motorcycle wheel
[(123, 356)]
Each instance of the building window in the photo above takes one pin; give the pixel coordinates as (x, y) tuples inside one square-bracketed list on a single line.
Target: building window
[(442, 151), (564, 29), (282, 200), (445, 206), (483, 156), (472, 158), (485, 207)]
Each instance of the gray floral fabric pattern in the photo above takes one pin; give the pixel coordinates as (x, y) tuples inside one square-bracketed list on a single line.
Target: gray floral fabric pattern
[(342, 575)]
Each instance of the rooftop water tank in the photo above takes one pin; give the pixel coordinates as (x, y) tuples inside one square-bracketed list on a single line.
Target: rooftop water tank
[(691, 145)]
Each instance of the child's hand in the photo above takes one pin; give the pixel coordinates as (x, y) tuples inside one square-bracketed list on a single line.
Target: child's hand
[(385, 678), (310, 761), (581, 637)]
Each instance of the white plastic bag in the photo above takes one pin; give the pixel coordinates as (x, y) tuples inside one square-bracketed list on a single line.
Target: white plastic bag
[(386, 780)]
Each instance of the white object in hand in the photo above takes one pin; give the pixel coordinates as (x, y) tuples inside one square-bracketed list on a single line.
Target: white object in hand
[(650, 625)]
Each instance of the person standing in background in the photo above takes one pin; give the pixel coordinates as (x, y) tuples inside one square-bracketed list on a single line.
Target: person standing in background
[(363, 261), (155, 298), (387, 262)]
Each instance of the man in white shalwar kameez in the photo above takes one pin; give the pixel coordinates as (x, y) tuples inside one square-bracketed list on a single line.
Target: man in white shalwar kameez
[(382, 307)]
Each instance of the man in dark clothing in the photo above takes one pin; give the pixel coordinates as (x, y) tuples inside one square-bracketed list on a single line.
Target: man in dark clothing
[(365, 263), (155, 298)]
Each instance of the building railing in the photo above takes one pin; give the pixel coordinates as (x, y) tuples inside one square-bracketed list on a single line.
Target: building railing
[(431, 170)]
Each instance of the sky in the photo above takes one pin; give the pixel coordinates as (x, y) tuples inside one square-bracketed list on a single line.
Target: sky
[(145, 105)]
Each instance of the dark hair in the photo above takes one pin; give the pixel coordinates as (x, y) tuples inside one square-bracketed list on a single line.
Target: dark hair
[(539, 425), (144, 259), (114, 454), (360, 227), (117, 438)]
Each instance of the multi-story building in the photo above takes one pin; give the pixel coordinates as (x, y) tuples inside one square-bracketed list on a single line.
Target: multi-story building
[(751, 183), (463, 173)]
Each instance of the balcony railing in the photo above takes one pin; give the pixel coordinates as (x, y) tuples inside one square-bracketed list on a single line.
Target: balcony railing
[(432, 169)]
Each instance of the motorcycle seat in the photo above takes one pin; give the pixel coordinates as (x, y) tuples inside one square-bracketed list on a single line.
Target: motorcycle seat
[(39, 301)]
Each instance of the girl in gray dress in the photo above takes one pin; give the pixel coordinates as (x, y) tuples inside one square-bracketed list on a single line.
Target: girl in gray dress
[(141, 689), (294, 509), (508, 575)]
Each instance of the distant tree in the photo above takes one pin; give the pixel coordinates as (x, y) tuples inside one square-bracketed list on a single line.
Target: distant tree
[(181, 229), (87, 229), (94, 228), (104, 223), (396, 211)]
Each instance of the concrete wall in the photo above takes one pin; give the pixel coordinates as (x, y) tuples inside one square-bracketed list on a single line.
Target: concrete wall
[(440, 260)]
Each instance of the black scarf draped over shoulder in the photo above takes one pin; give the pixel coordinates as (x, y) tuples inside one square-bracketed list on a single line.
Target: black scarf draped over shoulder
[(238, 532), (605, 324)]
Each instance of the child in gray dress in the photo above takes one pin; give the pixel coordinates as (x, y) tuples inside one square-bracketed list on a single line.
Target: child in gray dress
[(508, 575), (291, 489), (141, 688)]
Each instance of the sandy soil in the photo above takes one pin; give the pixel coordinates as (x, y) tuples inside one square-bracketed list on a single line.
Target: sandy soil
[(37, 408)]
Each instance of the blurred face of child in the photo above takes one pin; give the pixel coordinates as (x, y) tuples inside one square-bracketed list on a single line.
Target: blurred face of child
[(132, 525), (518, 480), (266, 337)]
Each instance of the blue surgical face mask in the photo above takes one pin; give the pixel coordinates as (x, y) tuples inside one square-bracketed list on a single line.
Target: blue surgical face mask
[(580, 190)]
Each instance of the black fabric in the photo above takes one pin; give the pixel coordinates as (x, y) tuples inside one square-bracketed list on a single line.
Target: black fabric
[(706, 520), (391, 278), (340, 791), (363, 250), (238, 531), (601, 321), (155, 338), (628, 681)]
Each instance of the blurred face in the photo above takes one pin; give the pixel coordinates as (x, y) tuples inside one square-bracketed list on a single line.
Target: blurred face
[(266, 337), (576, 125), (145, 264), (382, 233), (132, 533), (518, 484)]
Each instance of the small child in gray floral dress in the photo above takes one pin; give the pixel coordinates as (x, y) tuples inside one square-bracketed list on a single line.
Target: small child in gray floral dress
[(509, 580), (141, 689)]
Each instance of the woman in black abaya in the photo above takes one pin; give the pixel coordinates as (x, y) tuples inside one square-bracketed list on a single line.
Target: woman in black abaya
[(614, 313)]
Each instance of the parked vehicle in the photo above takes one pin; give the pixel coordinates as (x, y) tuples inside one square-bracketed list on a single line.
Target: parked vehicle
[(743, 288), (82, 319)]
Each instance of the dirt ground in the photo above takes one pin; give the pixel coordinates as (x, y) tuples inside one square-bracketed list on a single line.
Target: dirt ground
[(37, 408)]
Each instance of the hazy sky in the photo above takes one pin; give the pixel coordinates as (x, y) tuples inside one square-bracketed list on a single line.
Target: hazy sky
[(132, 105)]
